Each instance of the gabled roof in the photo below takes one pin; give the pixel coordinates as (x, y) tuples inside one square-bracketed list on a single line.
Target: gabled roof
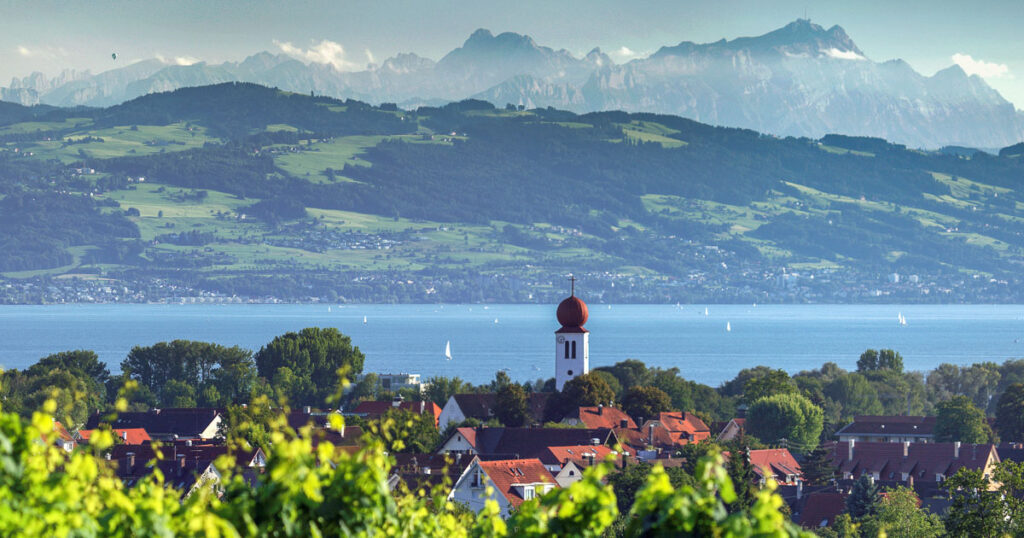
[(821, 508), (581, 455), (604, 417), (130, 436), (903, 426), (428, 470), (482, 406), (681, 422), (640, 439), (183, 422), (174, 451), (779, 462), (506, 474), (375, 409), (491, 443), (923, 460)]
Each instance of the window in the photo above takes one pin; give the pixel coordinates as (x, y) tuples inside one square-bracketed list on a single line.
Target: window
[(574, 349), (567, 350), (528, 492)]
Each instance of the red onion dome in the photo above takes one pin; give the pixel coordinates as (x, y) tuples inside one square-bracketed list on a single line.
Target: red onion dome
[(572, 312)]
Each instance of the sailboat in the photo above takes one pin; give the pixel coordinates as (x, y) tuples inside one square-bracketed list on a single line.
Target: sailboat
[(364, 320), (901, 320), (328, 309), (728, 326), (448, 350), (705, 310), (495, 320)]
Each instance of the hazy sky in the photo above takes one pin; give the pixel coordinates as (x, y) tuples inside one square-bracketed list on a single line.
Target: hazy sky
[(44, 35)]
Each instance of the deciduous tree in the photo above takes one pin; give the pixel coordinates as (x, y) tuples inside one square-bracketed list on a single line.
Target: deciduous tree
[(958, 419)]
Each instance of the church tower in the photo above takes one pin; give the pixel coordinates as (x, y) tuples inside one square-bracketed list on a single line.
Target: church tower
[(572, 341)]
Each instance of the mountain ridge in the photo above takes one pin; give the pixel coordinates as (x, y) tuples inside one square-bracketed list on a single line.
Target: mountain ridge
[(799, 80)]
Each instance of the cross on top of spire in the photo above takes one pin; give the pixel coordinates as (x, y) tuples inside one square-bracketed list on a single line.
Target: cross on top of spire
[(572, 284)]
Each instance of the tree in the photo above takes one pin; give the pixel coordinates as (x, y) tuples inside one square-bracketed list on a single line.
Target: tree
[(586, 390), (440, 389), (855, 394), (511, 406), (628, 481), (403, 430), (741, 472), (977, 509), (786, 416), (645, 402), (314, 356), (817, 468), (611, 381), (771, 383), (1010, 413), (195, 364), (899, 516), (501, 379), (958, 419), (864, 499), (885, 359)]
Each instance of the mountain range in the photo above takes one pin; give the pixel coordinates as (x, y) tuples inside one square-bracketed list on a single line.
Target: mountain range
[(800, 80)]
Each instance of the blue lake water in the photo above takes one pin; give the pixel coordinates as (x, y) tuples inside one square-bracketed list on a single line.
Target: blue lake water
[(411, 338)]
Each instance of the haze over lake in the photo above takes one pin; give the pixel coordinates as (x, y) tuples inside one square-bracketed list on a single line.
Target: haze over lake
[(484, 339)]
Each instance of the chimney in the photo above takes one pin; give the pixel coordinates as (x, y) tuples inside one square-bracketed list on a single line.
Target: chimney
[(650, 429), (910, 481), (623, 423), (799, 489), (600, 409), (906, 449), (181, 461), (849, 451), (124, 435), (423, 406), (956, 450), (131, 460), (188, 442), (307, 410)]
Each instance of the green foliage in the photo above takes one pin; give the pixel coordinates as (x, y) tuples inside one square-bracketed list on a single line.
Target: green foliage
[(741, 472), (864, 500), (180, 372), (1010, 413), (440, 389), (986, 506), (306, 363), (885, 359), (406, 431), (958, 419), (644, 403), (771, 383), (626, 482), (855, 394), (817, 467), (786, 416), (582, 391), (898, 516), (511, 406)]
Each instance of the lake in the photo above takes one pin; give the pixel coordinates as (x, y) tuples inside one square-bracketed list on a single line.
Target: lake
[(484, 339)]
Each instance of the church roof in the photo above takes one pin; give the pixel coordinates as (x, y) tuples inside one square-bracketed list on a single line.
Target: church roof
[(572, 313)]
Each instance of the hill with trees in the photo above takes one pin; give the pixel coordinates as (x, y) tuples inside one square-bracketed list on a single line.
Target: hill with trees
[(242, 190)]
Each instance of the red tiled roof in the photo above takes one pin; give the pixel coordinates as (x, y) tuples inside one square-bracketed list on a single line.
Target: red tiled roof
[(822, 507), (604, 417), (62, 432), (131, 436), (779, 462), (184, 421), (375, 409), (682, 422), (638, 439), (505, 474), (481, 406), (531, 442), (581, 455)]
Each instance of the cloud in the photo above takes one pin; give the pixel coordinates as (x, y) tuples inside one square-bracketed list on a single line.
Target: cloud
[(980, 67), (324, 52), (22, 50), (369, 57), (624, 54), (842, 54), (49, 53), (177, 60)]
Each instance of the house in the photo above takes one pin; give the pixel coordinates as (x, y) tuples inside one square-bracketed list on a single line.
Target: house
[(820, 509), (683, 428), (376, 409), (395, 382), (888, 429), (518, 443), (910, 463), (459, 407), (733, 429), (777, 464), (62, 438), (426, 471), (600, 417), (567, 463), (653, 442), (130, 436), (185, 466), (165, 424), (509, 482)]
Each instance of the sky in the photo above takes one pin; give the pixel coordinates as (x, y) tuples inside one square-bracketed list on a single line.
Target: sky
[(48, 35)]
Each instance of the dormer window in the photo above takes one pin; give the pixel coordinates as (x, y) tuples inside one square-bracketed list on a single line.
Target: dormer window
[(528, 492)]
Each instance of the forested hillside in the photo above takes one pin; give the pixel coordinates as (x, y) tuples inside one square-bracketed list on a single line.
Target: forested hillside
[(241, 190)]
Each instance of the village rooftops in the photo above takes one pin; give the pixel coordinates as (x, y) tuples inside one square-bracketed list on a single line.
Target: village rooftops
[(776, 463), (919, 462), (498, 443), (130, 436), (518, 480), (600, 416), (200, 422), (376, 409)]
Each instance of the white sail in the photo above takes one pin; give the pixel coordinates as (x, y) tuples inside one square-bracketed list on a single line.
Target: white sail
[(728, 326), (705, 310), (448, 350), (364, 319)]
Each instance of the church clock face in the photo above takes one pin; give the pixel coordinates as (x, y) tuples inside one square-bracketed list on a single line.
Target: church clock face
[(560, 339)]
